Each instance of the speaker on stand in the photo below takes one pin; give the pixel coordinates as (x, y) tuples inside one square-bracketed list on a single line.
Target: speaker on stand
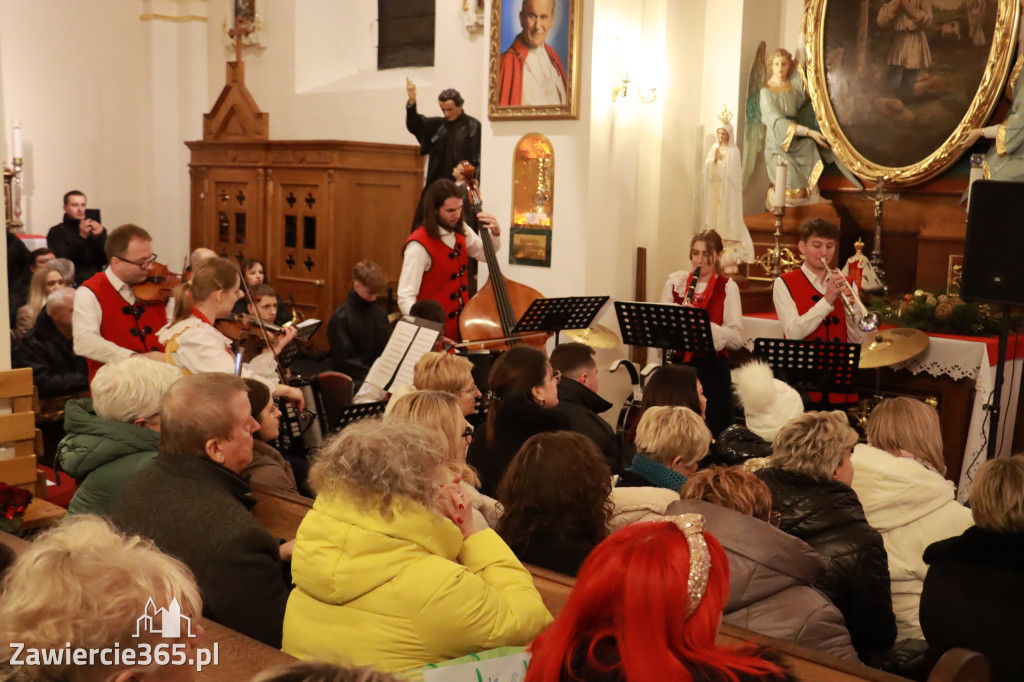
[(993, 269)]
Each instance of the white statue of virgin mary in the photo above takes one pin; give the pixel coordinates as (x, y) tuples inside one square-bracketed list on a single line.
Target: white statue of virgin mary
[(722, 197)]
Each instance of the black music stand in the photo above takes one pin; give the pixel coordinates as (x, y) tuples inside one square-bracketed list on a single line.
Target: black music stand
[(354, 413), (304, 333), (666, 326), (819, 366), (556, 314)]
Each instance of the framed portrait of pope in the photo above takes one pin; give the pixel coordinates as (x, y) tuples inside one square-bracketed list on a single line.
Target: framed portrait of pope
[(534, 59)]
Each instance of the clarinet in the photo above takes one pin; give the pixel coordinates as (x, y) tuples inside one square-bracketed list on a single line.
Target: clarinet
[(693, 287)]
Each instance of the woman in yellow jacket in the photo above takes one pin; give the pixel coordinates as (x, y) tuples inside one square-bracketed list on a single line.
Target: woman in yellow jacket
[(389, 568)]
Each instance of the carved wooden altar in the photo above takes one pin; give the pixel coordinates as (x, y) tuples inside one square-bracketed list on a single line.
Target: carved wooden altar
[(310, 209)]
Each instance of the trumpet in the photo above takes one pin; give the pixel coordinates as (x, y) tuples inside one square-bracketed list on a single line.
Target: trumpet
[(868, 321)]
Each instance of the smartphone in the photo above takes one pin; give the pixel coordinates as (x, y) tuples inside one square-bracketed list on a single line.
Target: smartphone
[(93, 214)]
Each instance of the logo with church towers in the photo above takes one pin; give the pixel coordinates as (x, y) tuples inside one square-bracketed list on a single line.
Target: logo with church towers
[(163, 622)]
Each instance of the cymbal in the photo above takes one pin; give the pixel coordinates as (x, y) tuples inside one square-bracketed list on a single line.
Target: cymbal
[(597, 336), (884, 348)]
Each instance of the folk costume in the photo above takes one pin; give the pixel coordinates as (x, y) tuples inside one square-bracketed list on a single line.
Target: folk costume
[(721, 298), (110, 325)]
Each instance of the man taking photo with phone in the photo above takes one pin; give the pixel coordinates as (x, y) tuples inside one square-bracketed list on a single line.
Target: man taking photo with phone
[(79, 237)]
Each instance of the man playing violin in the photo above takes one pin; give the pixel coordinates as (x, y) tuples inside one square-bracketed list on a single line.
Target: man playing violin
[(808, 300), (109, 323), (437, 254)]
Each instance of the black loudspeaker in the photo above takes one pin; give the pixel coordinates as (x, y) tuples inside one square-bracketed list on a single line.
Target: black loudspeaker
[(993, 268)]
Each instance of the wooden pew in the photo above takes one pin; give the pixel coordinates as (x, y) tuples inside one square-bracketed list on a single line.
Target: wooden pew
[(956, 665)]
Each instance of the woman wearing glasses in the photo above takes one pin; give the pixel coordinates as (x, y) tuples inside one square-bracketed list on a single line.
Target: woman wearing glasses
[(439, 410), (194, 344), (522, 387)]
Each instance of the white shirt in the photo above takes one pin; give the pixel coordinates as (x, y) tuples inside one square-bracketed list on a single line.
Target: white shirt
[(542, 86), (729, 334), (417, 261), (86, 319), (198, 347), (797, 326)]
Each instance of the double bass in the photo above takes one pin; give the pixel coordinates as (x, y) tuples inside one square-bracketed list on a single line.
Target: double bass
[(490, 316)]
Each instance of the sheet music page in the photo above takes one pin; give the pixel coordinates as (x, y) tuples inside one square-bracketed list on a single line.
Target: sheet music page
[(424, 341)]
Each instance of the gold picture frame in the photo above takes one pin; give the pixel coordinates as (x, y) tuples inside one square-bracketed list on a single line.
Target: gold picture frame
[(562, 41), (849, 67)]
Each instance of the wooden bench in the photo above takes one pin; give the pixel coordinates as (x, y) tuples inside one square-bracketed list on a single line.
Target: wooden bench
[(280, 512), (239, 657), (957, 665)]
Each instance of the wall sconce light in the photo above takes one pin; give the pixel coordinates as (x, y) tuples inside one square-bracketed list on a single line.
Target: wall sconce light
[(647, 95), (620, 86)]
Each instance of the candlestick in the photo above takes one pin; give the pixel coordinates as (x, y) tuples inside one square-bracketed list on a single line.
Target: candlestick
[(780, 182), (16, 140)]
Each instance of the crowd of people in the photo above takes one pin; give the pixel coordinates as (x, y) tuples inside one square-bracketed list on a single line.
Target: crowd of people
[(424, 521)]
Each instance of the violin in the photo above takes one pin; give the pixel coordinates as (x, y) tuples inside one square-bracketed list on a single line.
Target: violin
[(243, 326), (491, 315), (158, 285)]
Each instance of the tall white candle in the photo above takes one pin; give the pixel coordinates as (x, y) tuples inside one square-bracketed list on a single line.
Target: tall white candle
[(977, 173), (780, 184), (16, 139)]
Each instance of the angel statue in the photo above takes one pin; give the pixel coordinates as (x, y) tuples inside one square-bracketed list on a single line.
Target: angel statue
[(790, 130), (722, 198), (1005, 159)]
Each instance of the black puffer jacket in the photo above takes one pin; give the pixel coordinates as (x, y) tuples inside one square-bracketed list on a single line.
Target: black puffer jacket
[(829, 517), (735, 445)]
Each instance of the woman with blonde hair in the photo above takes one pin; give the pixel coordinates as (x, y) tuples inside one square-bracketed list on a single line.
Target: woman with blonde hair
[(440, 410), (194, 344), (83, 586), (810, 475), (972, 594), (450, 373), (771, 572), (389, 568), (898, 477), (45, 280)]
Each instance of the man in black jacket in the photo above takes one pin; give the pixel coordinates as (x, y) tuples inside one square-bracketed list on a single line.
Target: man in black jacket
[(79, 239), (192, 502), (359, 330), (47, 348), (578, 399), (448, 139)]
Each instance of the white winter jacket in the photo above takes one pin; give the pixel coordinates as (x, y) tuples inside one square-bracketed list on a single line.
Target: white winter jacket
[(912, 507)]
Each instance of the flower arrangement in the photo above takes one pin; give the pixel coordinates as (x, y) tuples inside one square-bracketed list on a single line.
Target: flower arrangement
[(938, 312), (13, 503)]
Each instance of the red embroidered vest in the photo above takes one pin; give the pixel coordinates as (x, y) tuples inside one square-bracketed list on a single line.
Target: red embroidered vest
[(805, 296), (445, 280), (131, 327), (715, 307)]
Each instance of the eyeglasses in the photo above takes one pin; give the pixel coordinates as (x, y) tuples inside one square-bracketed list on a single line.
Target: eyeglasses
[(775, 518), (472, 389), (468, 433), (139, 264), (556, 376)]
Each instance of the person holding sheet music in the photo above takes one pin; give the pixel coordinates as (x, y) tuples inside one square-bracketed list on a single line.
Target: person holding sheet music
[(437, 254), (704, 286), (194, 344)]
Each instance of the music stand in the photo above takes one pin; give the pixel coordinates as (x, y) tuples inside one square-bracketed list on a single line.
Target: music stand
[(353, 413), (304, 333), (819, 366), (666, 326), (556, 314)]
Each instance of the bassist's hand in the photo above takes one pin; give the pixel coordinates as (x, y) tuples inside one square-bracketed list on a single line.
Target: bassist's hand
[(490, 222)]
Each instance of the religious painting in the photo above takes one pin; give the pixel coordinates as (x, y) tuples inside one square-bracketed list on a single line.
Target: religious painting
[(534, 59), (897, 84), (252, 14), (533, 196)]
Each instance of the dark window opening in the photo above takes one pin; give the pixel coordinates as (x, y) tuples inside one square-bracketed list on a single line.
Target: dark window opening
[(405, 33)]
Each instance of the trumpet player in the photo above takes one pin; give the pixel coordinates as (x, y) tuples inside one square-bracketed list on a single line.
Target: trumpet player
[(809, 301)]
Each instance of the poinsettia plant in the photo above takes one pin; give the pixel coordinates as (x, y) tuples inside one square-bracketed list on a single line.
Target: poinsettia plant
[(13, 503)]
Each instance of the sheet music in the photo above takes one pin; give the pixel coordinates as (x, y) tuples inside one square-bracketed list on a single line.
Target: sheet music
[(410, 339)]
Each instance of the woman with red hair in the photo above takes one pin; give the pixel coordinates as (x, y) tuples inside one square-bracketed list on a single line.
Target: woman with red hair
[(647, 606)]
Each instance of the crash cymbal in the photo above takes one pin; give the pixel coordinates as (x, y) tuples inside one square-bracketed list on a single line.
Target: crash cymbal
[(887, 347), (597, 336)]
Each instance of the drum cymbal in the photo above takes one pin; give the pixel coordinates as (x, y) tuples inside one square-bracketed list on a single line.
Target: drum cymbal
[(884, 348), (597, 336)]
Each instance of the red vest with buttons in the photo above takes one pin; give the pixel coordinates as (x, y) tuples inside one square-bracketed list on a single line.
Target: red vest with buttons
[(805, 296), (446, 280), (130, 326), (715, 306)]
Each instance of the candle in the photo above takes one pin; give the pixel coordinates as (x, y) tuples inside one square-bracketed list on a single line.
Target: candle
[(16, 135), (780, 184)]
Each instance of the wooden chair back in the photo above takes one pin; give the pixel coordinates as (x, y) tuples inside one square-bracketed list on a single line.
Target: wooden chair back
[(961, 665), (18, 432)]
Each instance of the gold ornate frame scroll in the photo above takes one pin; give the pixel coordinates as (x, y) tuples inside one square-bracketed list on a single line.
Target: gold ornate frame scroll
[(563, 38), (851, 86), (533, 201)]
